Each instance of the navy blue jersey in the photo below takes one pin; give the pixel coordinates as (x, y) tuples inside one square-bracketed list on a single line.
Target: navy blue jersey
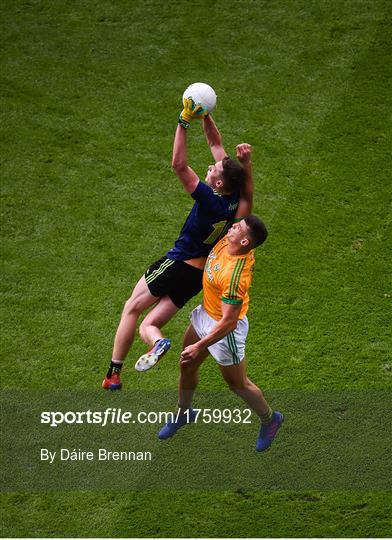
[(209, 220)]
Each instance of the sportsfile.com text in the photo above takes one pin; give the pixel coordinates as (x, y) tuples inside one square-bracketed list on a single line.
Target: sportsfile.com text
[(118, 416)]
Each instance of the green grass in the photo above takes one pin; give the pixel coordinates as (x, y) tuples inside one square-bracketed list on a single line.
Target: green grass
[(90, 95), (192, 515)]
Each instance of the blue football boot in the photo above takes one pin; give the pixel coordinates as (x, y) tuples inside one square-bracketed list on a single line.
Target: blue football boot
[(268, 432), (178, 422)]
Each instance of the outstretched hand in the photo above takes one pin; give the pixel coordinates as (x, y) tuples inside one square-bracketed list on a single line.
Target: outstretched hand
[(190, 111), (244, 153)]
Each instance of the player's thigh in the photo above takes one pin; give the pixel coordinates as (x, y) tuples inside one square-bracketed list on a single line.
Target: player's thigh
[(235, 375), (141, 298), (161, 313), (190, 337)]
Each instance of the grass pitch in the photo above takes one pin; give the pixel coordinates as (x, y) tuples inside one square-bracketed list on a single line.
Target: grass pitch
[(90, 95)]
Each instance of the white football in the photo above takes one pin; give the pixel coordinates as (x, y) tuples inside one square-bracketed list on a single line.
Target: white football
[(201, 93)]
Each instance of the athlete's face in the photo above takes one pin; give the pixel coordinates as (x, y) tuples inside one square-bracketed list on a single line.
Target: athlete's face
[(239, 233), (214, 177)]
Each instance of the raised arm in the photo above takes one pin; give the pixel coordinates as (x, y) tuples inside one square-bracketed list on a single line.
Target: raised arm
[(214, 138), (244, 155), (187, 176)]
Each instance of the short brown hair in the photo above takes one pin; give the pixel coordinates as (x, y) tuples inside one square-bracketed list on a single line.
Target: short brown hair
[(233, 175), (257, 230)]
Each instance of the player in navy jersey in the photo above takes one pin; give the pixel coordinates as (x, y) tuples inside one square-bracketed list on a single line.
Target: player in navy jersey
[(171, 281)]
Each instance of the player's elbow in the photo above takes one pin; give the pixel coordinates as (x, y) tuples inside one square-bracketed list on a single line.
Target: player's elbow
[(245, 208), (233, 326), (230, 325), (178, 166), (215, 144), (250, 207)]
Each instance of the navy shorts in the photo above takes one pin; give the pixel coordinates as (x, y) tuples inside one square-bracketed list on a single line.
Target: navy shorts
[(176, 279)]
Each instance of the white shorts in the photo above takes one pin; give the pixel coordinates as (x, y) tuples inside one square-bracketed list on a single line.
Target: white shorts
[(230, 350)]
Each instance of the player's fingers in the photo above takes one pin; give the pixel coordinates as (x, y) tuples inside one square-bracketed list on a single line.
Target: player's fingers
[(198, 109), (244, 146), (184, 361)]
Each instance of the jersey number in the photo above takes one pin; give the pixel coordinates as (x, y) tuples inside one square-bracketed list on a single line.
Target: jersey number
[(220, 229)]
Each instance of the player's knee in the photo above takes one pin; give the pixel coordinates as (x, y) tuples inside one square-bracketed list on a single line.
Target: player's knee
[(131, 307), (187, 368)]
